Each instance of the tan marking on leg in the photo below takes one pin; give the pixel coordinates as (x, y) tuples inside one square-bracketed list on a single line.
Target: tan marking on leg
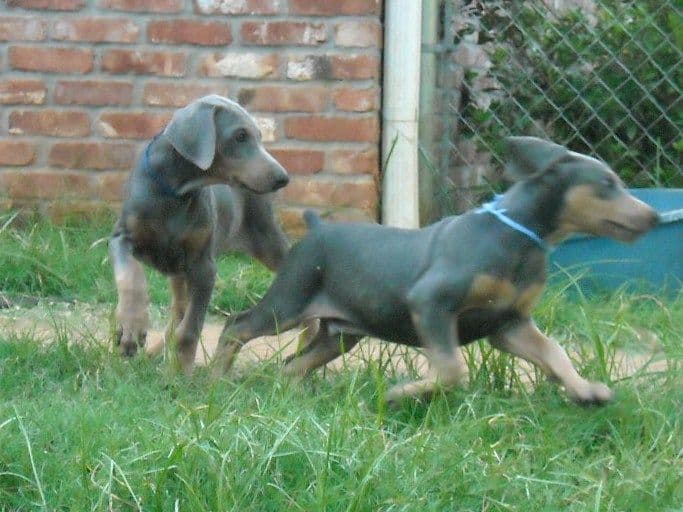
[(527, 342), (490, 291), (527, 298), (445, 373), (132, 313), (323, 349)]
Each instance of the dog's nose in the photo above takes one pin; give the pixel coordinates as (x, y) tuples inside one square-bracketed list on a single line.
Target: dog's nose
[(655, 218), (281, 181)]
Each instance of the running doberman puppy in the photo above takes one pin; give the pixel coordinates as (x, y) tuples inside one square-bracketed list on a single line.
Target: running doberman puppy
[(464, 278), (200, 189)]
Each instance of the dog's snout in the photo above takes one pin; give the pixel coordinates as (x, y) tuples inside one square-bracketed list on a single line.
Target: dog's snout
[(281, 181), (129, 350), (654, 218)]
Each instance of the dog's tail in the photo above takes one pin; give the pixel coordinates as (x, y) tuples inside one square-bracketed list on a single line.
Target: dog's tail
[(312, 219)]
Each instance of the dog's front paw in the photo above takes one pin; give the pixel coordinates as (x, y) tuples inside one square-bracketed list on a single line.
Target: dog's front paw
[(592, 393), (130, 336)]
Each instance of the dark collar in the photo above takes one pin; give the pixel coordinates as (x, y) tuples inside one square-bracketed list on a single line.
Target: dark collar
[(164, 186)]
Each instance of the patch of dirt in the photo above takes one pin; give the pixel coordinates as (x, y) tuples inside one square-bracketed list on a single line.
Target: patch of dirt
[(85, 322)]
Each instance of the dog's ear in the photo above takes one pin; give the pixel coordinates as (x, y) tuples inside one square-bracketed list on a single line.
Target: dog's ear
[(192, 132), (531, 156)]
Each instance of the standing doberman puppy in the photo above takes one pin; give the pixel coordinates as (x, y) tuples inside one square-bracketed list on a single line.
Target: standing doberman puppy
[(464, 278), (200, 189)]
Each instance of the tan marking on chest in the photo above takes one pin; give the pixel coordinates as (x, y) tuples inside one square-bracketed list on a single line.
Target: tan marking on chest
[(492, 292)]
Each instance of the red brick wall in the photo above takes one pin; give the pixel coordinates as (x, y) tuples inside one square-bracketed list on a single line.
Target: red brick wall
[(83, 84)]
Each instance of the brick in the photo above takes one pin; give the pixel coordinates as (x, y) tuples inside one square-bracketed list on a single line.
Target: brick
[(206, 33), (153, 63), (52, 5), (158, 6), (284, 99), (22, 29), (358, 34), (330, 191), (27, 92), (309, 67), (241, 65), (92, 155), (45, 184), (93, 92), (16, 153), (333, 128), (178, 95), (51, 60), (251, 7), (49, 122), (96, 30), (299, 161), (131, 125), (354, 67), (267, 127), (356, 100), (110, 185), (352, 161), (283, 33), (334, 7)]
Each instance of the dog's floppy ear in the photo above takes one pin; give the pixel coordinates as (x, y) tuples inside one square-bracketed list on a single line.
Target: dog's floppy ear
[(531, 156), (192, 132)]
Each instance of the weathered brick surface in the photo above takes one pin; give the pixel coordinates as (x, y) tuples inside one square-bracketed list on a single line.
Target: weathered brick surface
[(333, 128), (27, 92), (49, 122), (22, 29), (51, 60), (284, 99), (356, 100), (174, 94), (300, 161), (53, 5), (93, 92), (207, 33), (144, 62), (131, 125), (16, 153), (335, 7), (357, 34), (158, 6), (240, 65), (95, 30), (85, 84), (92, 155), (280, 33), (251, 7)]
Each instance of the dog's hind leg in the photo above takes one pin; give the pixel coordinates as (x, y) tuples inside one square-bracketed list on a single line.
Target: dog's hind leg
[(132, 316), (528, 342), (321, 349)]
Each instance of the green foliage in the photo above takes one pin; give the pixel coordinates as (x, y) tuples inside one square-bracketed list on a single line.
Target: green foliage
[(610, 85), (70, 262)]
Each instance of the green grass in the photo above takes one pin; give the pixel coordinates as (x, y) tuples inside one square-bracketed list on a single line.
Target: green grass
[(81, 429)]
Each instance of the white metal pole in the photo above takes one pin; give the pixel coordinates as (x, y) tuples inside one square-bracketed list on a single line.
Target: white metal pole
[(401, 95)]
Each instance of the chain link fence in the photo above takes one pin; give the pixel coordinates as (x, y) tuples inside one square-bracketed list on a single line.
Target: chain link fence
[(600, 76)]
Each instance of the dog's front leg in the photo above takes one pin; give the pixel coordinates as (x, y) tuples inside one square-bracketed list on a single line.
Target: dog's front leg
[(432, 302), (132, 315), (528, 342), (200, 281)]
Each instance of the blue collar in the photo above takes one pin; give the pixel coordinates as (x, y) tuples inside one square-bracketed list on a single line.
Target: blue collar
[(158, 178), (493, 208)]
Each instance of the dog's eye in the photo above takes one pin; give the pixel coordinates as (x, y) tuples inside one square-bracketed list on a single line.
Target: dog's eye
[(242, 135), (608, 182)]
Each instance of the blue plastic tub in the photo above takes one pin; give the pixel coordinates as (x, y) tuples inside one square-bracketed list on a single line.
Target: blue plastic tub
[(654, 263)]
